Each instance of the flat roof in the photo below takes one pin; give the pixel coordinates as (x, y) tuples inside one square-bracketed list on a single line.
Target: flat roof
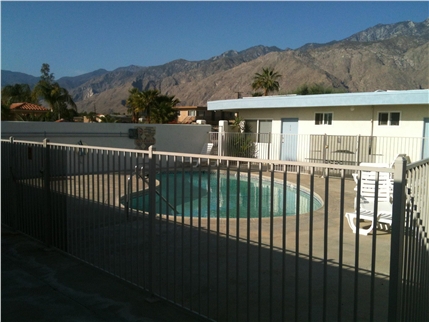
[(409, 97)]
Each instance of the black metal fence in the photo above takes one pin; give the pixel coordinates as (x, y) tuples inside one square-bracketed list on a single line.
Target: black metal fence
[(226, 238)]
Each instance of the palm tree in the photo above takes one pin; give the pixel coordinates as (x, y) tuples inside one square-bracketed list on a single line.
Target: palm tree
[(142, 102), (149, 98), (134, 103), (162, 111), (52, 93), (55, 96), (267, 81)]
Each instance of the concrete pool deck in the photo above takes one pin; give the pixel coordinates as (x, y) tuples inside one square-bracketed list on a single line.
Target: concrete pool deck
[(39, 284)]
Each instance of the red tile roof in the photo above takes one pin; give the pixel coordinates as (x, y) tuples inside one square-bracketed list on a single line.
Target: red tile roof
[(28, 107)]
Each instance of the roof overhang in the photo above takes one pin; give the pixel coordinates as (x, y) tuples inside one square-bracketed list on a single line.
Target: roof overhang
[(411, 97), (188, 108)]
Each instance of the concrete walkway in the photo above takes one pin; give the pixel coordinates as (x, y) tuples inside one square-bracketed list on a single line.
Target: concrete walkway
[(40, 284)]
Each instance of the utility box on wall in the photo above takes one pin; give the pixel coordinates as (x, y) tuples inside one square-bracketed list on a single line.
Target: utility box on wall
[(132, 133), (145, 137)]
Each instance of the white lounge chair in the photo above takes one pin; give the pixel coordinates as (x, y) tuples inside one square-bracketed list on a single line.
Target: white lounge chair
[(366, 204)]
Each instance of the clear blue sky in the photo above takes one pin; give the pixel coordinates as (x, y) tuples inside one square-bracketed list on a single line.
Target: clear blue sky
[(80, 37)]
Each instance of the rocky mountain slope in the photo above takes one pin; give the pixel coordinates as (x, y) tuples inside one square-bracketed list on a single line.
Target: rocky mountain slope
[(394, 57)]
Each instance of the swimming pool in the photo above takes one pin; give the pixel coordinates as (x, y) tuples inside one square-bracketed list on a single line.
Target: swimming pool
[(180, 193)]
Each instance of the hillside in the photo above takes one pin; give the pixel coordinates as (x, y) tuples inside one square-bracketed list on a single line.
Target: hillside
[(390, 57)]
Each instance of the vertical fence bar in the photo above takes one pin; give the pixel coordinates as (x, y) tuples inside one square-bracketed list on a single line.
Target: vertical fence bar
[(358, 146), (259, 241), (237, 244), (152, 217), (208, 249), (249, 168), (284, 204), (397, 236), (374, 248), (357, 235), (310, 246), (270, 295), (325, 245), (47, 184), (341, 247), (297, 234)]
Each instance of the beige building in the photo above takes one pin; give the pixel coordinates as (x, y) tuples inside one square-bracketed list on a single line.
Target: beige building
[(200, 114), (374, 115)]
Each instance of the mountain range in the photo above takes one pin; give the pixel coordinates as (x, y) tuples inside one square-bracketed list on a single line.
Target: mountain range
[(385, 56)]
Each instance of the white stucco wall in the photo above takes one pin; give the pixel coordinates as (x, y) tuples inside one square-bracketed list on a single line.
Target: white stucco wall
[(169, 137), (350, 120)]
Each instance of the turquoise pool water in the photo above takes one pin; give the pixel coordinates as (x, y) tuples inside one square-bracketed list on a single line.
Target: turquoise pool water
[(214, 195)]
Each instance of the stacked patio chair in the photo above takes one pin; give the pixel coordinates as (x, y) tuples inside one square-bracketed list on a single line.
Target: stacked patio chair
[(374, 206)]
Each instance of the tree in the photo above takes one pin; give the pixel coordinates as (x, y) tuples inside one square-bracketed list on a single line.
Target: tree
[(313, 89), (149, 101), (6, 114), (267, 81), (156, 107), (46, 76), (108, 119), (134, 103), (18, 93), (57, 98), (162, 110)]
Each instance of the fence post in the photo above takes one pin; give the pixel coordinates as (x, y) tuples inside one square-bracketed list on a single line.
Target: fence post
[(397, 240), (220, 143), (47, 186), (14, 189), (152, 216)]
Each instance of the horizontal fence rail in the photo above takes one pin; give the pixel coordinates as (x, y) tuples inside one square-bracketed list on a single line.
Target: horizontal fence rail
[(227, 238)]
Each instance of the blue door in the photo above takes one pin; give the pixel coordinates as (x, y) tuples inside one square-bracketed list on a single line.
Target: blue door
[(425, 151), (289, 139)]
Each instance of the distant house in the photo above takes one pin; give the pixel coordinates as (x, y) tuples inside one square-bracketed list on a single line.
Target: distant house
[(370, 114), (26, 109), (192, 114)]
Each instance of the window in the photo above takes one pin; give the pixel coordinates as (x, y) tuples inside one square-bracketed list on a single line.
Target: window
[(323, 118), (389, 118), (201, 113), (394, 118), (262, 128), (192, 113)]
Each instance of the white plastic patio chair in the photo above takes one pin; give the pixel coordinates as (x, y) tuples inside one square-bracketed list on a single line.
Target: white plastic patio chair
[(366, 204)]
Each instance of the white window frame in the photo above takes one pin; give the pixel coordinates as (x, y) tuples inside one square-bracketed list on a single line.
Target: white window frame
[(389, 118), (192, 113), (324, 114)]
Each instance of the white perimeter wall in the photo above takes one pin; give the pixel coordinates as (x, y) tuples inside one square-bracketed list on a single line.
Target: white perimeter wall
[(169, 137)]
